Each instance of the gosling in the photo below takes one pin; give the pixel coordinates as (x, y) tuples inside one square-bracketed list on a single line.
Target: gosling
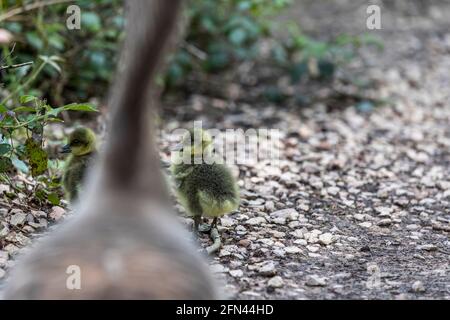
[(203, 189)]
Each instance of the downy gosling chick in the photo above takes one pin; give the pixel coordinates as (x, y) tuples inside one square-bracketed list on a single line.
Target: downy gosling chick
[(207, 189), (82, 148)]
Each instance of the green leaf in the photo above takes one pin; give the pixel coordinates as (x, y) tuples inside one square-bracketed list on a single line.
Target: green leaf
[(24, 109), (46, 59), (298, 71), (34, 40), (54, 111), (37, 158), (316, 49), (56, 41), (244, 5), (56, 58), (174, 73), (326, 69), (80, 107), (5, 164), (55, 165), (52, 61), (4, 148), (91, 21), (20, 165), (54, 65), (14, 27), (27, 98), (118, 21), (98, 59), (274, 94), (369, 39), (208, 24), (55, 120), (3, 108), (40, 194), (53, 198), (279, 53)]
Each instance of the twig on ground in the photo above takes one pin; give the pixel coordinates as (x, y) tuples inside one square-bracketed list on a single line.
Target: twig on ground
[(14, 66), (196, 52)]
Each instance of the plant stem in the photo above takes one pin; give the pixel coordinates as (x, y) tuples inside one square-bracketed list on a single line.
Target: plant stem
[(16, 65), (29, 7), (24, 124)]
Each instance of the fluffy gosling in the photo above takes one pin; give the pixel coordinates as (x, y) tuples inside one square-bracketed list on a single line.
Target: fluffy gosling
[(82, 148)]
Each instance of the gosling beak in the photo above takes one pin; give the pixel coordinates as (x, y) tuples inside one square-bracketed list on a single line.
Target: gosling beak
[(178, 147), (66, 149)]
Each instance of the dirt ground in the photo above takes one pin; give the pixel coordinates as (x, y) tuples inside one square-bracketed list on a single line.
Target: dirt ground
[(359, 205)]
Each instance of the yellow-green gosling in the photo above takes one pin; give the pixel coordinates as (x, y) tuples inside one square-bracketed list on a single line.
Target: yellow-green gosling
[(82, 148), (205, 189)]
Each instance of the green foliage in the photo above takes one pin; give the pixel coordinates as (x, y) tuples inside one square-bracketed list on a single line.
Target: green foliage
[(79, 64), (86, 57), (4, 148), (222, 33), (304, 57), (5, 164), (17, 87)]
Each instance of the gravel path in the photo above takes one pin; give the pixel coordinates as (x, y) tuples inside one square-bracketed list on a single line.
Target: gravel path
[(360, 205)]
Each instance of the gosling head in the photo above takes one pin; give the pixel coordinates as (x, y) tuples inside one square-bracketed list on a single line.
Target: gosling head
[(195, 142), (82, 141)]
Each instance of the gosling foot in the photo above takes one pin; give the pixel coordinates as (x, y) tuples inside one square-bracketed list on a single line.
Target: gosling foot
[(206, 228)]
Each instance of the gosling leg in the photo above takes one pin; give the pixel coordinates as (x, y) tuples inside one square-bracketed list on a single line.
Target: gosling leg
[(217, 241), (197, 220)]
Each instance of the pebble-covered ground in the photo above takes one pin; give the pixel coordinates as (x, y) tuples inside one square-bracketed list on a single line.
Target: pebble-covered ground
[(359, 205)]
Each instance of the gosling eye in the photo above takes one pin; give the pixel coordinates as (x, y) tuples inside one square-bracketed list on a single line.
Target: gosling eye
[(76, 142)]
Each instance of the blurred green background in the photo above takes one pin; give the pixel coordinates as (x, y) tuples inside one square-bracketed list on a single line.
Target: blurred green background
[(218, 36)]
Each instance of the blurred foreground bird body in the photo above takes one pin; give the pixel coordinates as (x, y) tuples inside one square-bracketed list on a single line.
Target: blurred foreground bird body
[(205, 189), (124, 241), (82, 148), (145, 256)]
